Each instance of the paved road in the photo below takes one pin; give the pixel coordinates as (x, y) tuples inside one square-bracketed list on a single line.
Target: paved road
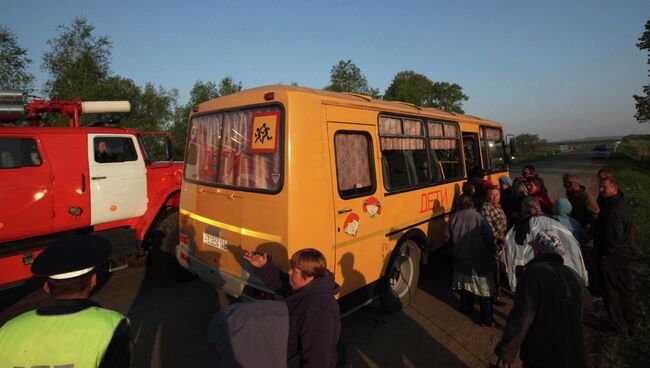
[(170, 317), (552, 169)]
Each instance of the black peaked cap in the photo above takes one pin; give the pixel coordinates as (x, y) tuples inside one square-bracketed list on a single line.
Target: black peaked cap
[(72, 254)]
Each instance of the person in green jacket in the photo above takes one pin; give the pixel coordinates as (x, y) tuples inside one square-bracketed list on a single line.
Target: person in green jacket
[(73, 331)]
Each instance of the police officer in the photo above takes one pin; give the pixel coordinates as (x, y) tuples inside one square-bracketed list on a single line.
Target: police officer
[(73, 331)]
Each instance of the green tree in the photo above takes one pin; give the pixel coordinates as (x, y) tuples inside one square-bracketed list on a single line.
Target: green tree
[(448, 97), (530, 142), (201, 92), (228, 86), (643, 102), (411, 87), (418, 89), (77, 61), (347, 77), (154, 109), (114, 88), (13, 63)]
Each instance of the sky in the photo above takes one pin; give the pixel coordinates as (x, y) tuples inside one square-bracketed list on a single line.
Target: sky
[(558, 69)]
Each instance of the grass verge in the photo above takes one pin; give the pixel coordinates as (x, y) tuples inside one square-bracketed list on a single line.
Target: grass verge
[(634, 177), (528, 157), (635, 147)]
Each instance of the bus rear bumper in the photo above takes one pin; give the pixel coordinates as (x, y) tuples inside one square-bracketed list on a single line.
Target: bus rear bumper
[(232, 285)]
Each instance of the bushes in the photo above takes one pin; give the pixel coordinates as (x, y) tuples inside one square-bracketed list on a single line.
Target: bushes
[(636, 147)]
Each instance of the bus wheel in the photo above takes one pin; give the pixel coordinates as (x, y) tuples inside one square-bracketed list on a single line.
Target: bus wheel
[(168, 228), (165, 238), (401, 277)]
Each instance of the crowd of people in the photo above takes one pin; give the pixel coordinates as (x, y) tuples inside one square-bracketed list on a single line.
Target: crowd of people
[(559, 257), (550, 253)]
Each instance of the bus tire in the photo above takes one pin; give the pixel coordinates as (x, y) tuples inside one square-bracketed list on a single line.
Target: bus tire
[(402, 275), (168, 228), (163, 253)]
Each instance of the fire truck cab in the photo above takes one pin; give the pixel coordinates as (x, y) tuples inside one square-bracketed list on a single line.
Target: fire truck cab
[(60, 181)]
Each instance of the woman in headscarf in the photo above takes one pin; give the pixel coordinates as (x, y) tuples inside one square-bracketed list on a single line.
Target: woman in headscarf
[(518, 252), (562, 211), (536, 188), (472, 246)]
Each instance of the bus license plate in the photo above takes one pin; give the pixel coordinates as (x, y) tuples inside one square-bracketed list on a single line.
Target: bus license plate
[(216, 242)]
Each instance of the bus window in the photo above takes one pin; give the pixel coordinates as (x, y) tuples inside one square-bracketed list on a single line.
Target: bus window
[(444, 141), (493, 153), (354, 169), (239, 149), (403, 151), (472, 154)]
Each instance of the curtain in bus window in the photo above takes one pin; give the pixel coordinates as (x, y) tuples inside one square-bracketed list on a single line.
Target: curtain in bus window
[(451, 130), (436, 129), (235, 143), (203, 148), (417, 150), (390, 126), (404, 155), (445, 150), (352, 163), (219, 152), (241, 167), (493, 134), (414, 128)]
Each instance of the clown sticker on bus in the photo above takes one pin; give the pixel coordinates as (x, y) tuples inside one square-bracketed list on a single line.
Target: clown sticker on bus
[(351, 224), (372, 206)]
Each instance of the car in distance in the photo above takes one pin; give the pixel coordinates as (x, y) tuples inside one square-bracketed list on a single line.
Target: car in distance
[(600, 151)]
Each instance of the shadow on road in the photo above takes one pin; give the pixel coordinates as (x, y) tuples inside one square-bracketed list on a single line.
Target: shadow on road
[(170, 318), (436, 279), (11, 297), (372, 341)]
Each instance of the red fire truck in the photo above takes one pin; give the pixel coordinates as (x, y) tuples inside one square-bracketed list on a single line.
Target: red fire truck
[(61, 181)]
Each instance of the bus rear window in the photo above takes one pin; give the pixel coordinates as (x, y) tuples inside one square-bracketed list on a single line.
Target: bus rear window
[(241, 149)]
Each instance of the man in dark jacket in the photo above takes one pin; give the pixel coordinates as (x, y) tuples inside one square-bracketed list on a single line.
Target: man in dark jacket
[(585, 210), (314, 316), (615, 239), (546, 320), (584, 206), (605, 173)]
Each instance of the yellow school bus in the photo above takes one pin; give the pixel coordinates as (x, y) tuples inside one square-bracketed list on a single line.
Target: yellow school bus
[(369, 183)]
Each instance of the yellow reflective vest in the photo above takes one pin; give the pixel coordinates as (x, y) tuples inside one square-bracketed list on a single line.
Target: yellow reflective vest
[(70, 340)]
